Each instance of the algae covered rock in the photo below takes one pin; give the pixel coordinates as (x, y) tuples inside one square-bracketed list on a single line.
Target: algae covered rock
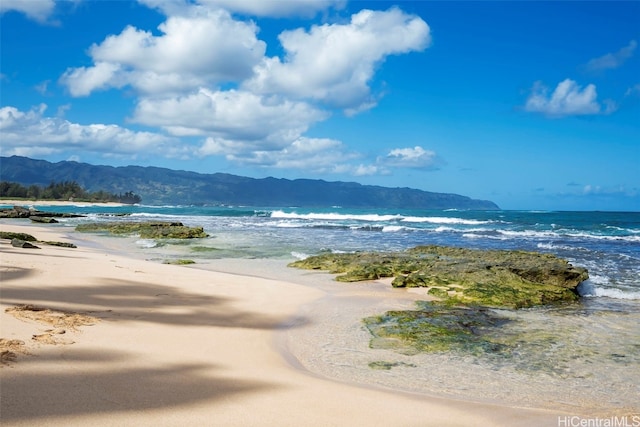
[(493, 278), (146, 230), (434, 327), (468, 284), (21, 236)]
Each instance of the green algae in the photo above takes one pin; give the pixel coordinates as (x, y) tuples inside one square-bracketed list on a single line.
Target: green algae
[(179, 261), (21, 236), (383, 365), (435, 327)]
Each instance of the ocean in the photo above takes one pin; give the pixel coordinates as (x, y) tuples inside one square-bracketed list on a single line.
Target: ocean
[(585, 355)]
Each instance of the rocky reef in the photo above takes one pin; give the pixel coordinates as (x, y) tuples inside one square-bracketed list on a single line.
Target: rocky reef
[(146, 230), (467, 285), (34, 214), (23, 240), (490, 278)]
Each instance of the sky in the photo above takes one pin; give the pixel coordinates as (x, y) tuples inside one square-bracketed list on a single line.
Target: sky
[(532, 105)]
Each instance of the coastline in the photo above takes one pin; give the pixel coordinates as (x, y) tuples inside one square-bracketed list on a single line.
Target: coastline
[(27, 203), (182, 345)]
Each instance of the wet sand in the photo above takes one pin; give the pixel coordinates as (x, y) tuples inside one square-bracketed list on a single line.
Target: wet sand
[(166, 345)]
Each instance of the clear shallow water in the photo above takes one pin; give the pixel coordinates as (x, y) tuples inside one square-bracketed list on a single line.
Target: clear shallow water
[(584, 356)]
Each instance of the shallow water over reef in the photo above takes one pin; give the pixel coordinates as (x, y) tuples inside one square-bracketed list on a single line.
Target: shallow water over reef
[(582, 356)]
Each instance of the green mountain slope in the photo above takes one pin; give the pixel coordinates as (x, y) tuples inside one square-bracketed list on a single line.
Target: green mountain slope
[(159, 186)]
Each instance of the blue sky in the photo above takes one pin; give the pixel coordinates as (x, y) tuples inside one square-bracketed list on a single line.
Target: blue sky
[(533, 105)]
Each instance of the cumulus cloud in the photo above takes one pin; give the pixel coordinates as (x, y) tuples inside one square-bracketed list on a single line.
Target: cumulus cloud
[(205, 75), (415, 158), (39, 10), (612, 60), (248, 121), (275, 8), (313, 155), (260, 8), (567, 99), (30, 133), (201, 48), (334, 63)]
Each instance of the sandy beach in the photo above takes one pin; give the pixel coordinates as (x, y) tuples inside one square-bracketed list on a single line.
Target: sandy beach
[(93, 338)]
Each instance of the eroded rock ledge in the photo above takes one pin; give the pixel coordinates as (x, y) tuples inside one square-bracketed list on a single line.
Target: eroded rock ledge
[(146, 230), (490, 278), (468, 285)]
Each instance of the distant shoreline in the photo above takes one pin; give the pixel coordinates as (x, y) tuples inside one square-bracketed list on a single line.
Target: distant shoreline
[(27, 202)]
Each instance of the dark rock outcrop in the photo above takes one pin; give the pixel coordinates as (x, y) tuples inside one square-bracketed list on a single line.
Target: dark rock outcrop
[(17, 243), (34, 214), (146, 230), (43, 219)]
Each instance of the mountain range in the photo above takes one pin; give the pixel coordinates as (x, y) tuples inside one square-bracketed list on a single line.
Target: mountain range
[(161, 186)]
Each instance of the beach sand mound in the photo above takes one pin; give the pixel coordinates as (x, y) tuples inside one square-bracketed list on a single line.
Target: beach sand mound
[(9, 350), (60, 320), (56, 318)]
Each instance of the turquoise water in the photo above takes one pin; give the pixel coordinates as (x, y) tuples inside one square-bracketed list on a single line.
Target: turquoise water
[(606, 243), (584, 356)]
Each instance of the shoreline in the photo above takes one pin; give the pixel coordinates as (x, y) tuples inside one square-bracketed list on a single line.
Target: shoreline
[(28, 203), (191, 344)]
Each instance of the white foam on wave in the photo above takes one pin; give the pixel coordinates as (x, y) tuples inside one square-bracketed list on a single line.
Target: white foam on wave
[(443, 220), (151, 215), (146, 243), (561, 234), (300, 255), (331, 216), (393, 228), (598, 286), (615, 293)]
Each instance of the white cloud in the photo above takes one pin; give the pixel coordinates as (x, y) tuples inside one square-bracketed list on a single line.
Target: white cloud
[(275, 8), (38, 10), (84, 80), (313, 155), (633, 90), (43, 87), (612, 60), (262, 8), (247, 121), (617, 190), (204, 75), (198, 49), (334, 63), (416, 158), (567, 99), (33, 133)]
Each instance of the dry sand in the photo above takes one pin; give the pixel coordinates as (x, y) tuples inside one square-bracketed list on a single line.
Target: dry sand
[(91, 338)]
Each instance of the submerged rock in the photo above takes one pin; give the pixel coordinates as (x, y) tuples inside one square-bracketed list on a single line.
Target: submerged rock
[(43, 219), (435, 327), (492, 278), (146, 230)]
